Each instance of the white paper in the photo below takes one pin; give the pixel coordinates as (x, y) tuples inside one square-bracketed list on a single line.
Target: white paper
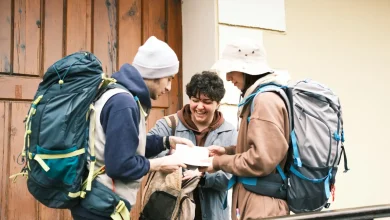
[(195, 156)]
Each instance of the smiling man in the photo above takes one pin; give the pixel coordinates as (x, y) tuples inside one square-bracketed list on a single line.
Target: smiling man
[(120, 137), (202, 123)]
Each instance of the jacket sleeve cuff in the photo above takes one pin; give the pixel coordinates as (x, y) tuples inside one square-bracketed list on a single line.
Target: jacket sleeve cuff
[(231, 150), (216, 163), (222, 162)]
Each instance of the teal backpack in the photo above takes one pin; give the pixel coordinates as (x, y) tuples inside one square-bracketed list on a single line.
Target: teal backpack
[(56, 140)]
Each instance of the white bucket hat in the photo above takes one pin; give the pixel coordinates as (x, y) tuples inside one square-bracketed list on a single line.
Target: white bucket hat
[(243, 55), (155, 59)]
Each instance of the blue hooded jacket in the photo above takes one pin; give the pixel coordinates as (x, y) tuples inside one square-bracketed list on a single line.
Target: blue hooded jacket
[(120, 118), (120, 121)]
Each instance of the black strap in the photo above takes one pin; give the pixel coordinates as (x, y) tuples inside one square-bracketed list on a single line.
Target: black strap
[(288, 92), (345, 159), (108, 87), (173, 122)]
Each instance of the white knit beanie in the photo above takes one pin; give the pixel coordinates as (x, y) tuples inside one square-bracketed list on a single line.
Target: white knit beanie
[(155, 59)]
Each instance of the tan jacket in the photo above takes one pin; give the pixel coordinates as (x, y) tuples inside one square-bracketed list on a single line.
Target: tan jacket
[(262, 144)]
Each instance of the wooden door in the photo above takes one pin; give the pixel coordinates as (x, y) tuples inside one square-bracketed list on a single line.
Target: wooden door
[(36, 33)]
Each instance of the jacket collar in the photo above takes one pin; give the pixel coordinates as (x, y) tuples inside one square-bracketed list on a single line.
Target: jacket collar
[(223, 128)]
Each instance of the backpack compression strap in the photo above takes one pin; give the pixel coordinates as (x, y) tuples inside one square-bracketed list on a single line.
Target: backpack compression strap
[(120, 212), (40, 157), (27, 134)]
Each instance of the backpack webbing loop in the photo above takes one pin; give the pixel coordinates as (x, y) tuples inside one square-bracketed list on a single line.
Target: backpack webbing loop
[(120, 212), (26, 139), (92, 114)]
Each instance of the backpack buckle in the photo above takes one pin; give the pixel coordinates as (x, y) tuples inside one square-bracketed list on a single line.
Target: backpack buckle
[(282, 188), (336, 136)]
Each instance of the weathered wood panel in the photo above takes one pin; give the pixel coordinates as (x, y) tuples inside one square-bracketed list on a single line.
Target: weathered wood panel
[(129, 30), (78, 26), (4, 144), (66, 215), (53, 32), (154, 24), (105, 34), (154, 20), (21, 205), (46, 213), (5, 36), (27, 33), (155, 114), (174, 39), (36, 33), (18, 87)]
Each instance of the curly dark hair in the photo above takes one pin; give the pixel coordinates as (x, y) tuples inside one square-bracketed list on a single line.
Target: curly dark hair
[(206, 83)]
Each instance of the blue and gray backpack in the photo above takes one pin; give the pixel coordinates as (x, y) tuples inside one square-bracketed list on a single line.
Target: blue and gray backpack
[(56, 141), (316, 147)]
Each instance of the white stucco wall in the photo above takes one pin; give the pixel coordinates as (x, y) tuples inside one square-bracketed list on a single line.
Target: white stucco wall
[(344, 44), (200, 48)]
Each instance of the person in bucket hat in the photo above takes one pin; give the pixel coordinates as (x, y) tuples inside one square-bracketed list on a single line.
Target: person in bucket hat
[(263, 137), (245, 56)]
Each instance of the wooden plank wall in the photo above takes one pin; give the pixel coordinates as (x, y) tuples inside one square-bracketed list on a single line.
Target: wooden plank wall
[(36, 33)]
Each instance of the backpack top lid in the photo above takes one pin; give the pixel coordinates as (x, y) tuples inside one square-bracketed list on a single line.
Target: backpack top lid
[(313, 88), (80, 64)]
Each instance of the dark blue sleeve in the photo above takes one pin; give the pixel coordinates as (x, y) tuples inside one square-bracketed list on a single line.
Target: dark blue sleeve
[(120, 120), (154, 145)]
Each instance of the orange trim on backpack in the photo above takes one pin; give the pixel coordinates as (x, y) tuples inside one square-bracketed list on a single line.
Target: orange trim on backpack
[(113, 185), (333, 191)]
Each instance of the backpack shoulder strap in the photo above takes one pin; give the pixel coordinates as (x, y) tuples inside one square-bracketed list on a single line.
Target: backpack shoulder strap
[(172, 121), (283, 91), (114, 85), (285, 94)]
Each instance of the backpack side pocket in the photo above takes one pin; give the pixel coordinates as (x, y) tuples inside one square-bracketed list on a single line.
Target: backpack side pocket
[(160, 205)]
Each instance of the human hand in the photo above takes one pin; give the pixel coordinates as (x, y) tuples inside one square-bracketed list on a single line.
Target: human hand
[(179, 140), (189, 174), (167, 164), (210, 168), (215, 150)]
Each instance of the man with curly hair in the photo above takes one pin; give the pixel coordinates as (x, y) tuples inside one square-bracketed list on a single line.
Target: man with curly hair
[(202, 123)]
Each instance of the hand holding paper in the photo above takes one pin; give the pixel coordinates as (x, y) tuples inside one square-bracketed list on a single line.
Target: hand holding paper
[(174, 141), (167, 164), (210, 168), (215, 150)]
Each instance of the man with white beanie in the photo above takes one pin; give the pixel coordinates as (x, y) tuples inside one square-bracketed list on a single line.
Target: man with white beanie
[(121, 143), (157, 63)]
